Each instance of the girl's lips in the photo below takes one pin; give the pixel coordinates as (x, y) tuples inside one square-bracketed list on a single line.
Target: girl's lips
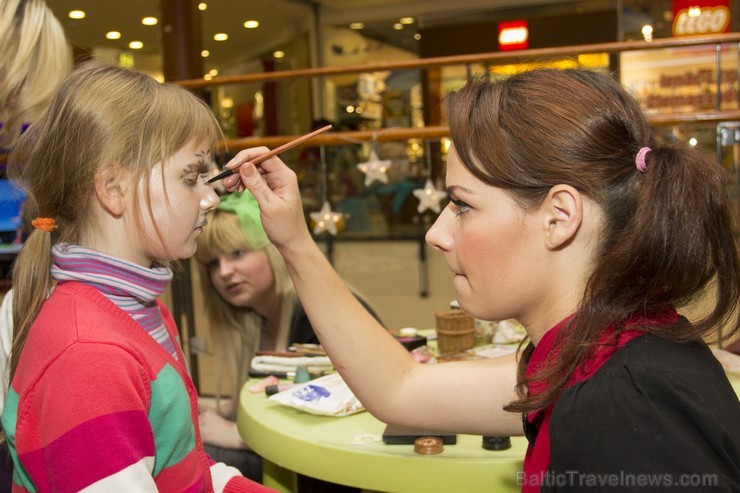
[(233, 287)]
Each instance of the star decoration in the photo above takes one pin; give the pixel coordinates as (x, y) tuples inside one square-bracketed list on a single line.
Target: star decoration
[(429, 197), (375, 169), (325, 219)]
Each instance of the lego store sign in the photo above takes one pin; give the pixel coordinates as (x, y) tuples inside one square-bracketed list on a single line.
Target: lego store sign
[(692, 17)]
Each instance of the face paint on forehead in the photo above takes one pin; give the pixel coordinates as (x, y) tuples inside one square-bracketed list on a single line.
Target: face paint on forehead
[(200, 166)]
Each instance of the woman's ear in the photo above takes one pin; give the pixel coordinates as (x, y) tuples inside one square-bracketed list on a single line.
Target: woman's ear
[(563, 209), (110, 188)]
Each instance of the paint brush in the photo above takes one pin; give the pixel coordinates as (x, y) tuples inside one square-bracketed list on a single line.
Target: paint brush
[(274, 152)]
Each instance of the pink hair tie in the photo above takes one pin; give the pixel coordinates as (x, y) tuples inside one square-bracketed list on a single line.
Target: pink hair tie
[(640, 159)]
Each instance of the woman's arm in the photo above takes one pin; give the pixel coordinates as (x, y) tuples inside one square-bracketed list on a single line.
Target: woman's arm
[(464, 397)]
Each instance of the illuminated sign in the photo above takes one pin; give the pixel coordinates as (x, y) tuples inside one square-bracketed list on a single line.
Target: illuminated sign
[(513, 35), (692, 17)]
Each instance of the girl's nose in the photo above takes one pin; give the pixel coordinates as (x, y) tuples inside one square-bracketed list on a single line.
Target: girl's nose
[(210, 200)]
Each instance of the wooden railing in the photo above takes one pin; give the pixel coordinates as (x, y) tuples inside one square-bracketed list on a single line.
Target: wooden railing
[(342, 138)]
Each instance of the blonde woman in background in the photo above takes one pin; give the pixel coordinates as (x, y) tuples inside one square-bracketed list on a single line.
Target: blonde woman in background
[(34, 59), (251, 305)]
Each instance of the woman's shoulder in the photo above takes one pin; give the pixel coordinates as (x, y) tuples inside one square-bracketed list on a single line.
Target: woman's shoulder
[(667, 372), (656, 406)]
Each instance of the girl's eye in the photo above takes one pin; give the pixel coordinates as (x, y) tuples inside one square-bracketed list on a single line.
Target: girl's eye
[(213, 264), (237, 253), (459, 207), (192, 182)]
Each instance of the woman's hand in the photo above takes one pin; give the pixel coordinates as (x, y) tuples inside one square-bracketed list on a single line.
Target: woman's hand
[(275, 187)]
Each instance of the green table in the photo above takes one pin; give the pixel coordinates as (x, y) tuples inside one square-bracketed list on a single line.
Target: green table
[(349, 451)]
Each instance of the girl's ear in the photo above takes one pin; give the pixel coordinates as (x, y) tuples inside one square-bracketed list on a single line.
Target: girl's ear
[(563, 209), (110, 188)]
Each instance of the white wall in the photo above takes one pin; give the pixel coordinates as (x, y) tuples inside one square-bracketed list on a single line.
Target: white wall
[(387, 273)]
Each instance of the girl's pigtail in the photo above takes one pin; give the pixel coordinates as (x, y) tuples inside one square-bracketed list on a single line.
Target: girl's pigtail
[(32, 283)]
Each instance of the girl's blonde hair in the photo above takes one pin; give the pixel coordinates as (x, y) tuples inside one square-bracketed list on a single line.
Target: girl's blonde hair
[(235, 331), (104, 118), (34, 59)]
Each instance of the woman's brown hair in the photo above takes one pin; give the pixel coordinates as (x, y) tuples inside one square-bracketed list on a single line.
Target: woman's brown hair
[(667, 233)]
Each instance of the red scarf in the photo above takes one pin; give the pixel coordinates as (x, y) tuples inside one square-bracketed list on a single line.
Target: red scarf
[(537, 459)]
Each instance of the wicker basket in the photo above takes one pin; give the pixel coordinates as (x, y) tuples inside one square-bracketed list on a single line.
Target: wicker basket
[(455, 331)]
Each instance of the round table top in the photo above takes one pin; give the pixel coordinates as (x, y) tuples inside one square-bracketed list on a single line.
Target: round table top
[(349, 450)]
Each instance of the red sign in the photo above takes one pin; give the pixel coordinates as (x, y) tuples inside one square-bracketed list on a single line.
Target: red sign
[(513, 35), (691, 17)]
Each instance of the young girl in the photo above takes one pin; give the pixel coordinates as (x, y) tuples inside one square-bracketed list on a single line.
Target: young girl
[(251, 305), (566, 214), (100, 396)]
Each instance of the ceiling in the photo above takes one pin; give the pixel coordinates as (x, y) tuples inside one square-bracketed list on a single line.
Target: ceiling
[(280, 21)]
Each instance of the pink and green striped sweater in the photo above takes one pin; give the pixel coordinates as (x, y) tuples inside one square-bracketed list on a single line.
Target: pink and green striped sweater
[(96, 402)]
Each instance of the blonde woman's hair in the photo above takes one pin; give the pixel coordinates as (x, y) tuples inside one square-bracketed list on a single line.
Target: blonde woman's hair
[(104, 118), (235, 331), (34, 59)]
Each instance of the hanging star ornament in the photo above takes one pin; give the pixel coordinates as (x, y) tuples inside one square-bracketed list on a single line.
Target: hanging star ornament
[(375, 169), (429, 197), (325, 220)]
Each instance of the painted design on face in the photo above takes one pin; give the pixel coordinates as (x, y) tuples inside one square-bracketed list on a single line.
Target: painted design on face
[(199, 169)]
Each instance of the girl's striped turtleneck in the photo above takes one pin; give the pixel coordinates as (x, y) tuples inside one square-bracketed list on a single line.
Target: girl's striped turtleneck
[(131, 287)]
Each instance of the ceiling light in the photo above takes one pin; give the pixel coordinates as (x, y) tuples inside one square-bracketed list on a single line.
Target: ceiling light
[(357, 25), (279, 54), (406, 20), (220, 36), (227, 103), (202, 6), (207, 77), (417, 36), (113, 35), (397, 26), (149, 21), (205, 53), (136, 45), (647, 30), (76, 14), (252, 24), (213, 72)]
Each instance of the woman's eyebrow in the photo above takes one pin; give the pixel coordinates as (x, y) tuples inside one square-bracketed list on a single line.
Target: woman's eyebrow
[(456, 189)]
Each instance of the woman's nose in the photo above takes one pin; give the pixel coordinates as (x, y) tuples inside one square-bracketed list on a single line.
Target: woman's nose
[(437, 236), (224, 268)]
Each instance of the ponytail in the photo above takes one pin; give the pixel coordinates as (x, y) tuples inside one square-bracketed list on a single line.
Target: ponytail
[(32, 283)]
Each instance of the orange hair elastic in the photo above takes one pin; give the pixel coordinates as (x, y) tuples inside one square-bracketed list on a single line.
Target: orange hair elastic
[(47, 224)]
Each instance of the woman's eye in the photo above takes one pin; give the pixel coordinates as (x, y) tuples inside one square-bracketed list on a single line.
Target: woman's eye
[(459, 207), (237, 253), (213, 264)]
